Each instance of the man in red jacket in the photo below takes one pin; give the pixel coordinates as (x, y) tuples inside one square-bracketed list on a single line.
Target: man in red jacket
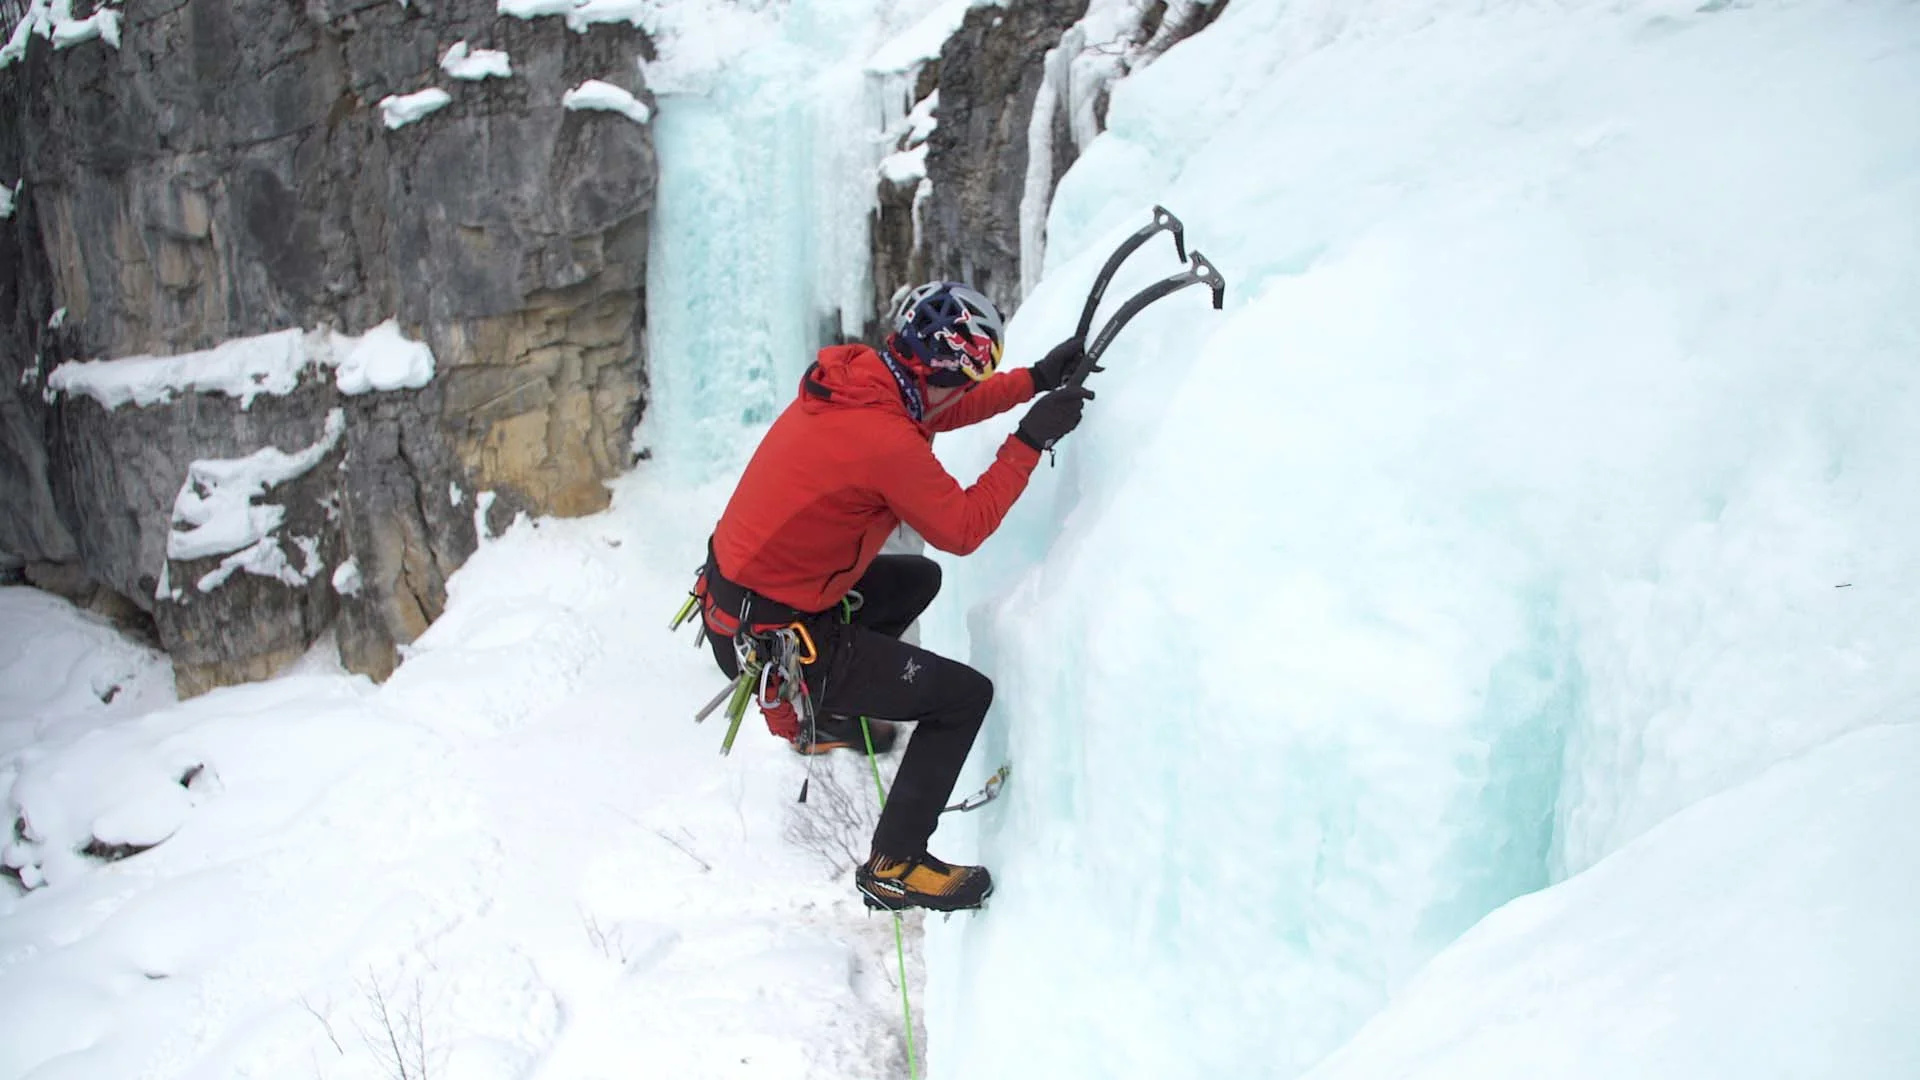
[(841, 468)]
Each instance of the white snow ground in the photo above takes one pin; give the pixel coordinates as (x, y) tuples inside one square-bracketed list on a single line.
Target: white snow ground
[(521, 841)]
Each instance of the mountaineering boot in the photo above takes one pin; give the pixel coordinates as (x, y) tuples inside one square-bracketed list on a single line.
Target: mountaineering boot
[(922, 881), (843, 733)]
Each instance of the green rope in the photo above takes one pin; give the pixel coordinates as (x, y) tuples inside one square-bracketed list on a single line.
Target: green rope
[(899, 945)]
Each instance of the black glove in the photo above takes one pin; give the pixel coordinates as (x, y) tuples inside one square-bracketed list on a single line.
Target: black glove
[(1052, 417), (1059, 365)]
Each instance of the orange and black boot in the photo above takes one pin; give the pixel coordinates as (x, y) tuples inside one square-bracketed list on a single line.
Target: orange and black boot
[(922, 881), (843, 733)]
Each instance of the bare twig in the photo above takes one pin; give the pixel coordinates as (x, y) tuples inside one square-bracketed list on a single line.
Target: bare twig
[(325, 1026), (836, 821), (705, 867), (612, 945), (399, 1038)]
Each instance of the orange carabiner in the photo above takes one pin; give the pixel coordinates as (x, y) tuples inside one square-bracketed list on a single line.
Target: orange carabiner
[(807, 640)]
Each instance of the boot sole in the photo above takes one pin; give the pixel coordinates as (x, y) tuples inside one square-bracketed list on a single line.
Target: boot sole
[(828, 748), (889, 902)]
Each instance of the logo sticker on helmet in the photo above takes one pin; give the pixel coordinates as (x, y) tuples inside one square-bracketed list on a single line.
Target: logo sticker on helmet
[(949, 327)]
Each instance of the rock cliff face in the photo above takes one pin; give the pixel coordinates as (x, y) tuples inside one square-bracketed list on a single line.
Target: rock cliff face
[(990, 76), (226, 172)]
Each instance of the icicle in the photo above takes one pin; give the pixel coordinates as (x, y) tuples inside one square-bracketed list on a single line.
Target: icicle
[(1037, 194)]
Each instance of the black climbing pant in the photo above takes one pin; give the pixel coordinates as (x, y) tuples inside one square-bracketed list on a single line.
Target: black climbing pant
[(865, 670)]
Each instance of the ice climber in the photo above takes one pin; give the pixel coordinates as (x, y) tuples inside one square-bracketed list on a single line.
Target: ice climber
[(847, 462)]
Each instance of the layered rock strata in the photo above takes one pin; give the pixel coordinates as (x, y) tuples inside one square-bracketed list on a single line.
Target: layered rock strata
[(228, 171)]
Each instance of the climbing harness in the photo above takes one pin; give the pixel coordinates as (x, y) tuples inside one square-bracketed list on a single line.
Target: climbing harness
[(772, 645)]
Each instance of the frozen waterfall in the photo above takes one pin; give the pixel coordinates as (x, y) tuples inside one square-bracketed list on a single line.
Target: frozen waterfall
[(1549, 474)]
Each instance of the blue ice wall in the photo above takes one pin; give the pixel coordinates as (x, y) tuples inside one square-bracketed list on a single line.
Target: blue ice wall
[(1500, 515), (768, 131), (727, 333)]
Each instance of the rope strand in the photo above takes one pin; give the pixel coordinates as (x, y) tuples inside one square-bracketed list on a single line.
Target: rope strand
[(899, 946)]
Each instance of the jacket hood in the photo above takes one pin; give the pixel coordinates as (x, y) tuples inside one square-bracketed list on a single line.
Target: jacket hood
[(854, 376)]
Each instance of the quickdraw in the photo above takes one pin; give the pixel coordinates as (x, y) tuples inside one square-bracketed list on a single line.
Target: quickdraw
[(987, 793)]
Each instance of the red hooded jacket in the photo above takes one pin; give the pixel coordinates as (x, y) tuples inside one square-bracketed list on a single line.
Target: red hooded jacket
[(844, 465)]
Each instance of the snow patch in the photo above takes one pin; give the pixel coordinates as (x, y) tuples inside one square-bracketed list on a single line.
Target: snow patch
[(382, 359), (215, 512), (57, 319), (107, 795), (399, 110), (606, 97), (346, 578), (53, 20), (905, 167), (482, 504), (60, 665), (533, 9), (8, 196), (243, 368), (454, 495), (475, 64), (922, 41), (921, 121)]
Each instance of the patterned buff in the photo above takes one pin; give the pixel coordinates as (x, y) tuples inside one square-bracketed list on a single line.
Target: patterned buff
[(909, 389)]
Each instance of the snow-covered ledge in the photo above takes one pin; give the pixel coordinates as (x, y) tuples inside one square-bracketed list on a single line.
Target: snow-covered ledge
[(383, 358), (606, 97)]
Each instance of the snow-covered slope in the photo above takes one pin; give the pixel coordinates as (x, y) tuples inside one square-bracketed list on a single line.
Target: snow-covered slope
[(1550, 470), (519, 851)]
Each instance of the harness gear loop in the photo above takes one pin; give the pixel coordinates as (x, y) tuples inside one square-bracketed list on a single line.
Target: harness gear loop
[(772, 646)]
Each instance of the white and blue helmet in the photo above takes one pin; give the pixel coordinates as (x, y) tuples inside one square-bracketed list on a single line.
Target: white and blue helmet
[(951, 329)]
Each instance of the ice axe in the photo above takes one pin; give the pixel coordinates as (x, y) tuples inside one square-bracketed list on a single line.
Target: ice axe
[(1198, 272)]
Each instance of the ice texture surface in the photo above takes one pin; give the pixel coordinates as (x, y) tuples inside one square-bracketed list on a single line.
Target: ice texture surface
[(1549, 471), (760, 251), (1764, 931)]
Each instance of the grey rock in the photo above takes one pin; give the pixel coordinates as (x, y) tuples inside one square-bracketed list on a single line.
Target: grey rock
[(990, 73), (989, 76), (225, 173)]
